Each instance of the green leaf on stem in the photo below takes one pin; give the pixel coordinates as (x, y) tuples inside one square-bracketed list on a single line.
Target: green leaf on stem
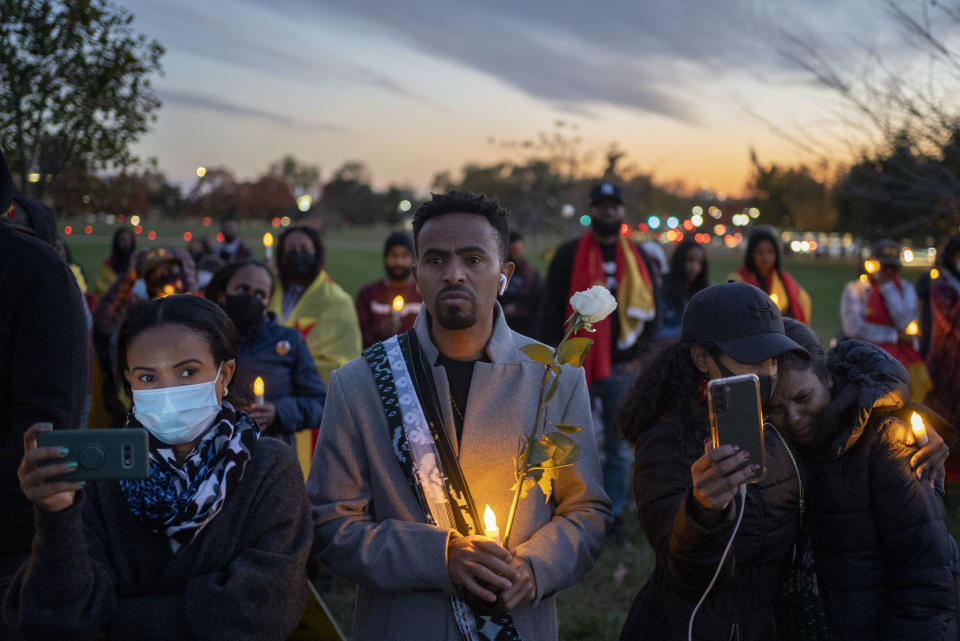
[(539, 353), (566, 450), (540, 451), (566, 429), (574, 351)]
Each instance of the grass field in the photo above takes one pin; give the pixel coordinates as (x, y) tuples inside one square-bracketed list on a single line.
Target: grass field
[(596, 607)]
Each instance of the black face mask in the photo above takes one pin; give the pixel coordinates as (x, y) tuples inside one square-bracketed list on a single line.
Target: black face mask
[(606, 228), (767, 382), (245, 310), (398, 274), (298, 264)]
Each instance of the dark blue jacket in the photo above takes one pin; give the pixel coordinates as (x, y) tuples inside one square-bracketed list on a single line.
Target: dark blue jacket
[(280, 356)]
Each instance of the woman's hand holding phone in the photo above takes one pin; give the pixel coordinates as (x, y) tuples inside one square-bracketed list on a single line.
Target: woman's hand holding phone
[(717, 476), (35, 482)]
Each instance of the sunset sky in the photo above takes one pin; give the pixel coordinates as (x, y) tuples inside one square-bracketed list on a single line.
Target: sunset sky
[(415, 87)]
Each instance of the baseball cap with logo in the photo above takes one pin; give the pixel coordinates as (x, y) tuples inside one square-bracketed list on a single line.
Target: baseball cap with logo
[(606, 191), (740, 320)]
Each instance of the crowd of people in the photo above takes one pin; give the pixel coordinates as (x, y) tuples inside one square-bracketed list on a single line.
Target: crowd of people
[(293, 427)]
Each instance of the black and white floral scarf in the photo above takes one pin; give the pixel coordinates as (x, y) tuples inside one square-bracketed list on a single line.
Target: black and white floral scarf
[(178, 500)]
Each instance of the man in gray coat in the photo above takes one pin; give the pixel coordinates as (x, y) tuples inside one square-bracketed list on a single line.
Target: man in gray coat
[(378, 524)]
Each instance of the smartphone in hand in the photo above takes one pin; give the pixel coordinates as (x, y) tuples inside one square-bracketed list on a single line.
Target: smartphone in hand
[(737, 419), (110, 454)]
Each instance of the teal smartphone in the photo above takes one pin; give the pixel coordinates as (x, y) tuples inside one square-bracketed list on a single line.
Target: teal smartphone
[(736, 418), (111, 454)]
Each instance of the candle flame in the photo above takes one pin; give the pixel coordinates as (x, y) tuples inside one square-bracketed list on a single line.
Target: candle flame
[(168, 290), (934, 274), (912, 329), (398, 303), (268, 240), (864, 278), (489, 519), (916, 424), (258, 386), (871, 266), (775, 299)]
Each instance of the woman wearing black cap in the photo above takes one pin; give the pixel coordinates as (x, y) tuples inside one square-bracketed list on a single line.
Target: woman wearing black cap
[(685, 489)]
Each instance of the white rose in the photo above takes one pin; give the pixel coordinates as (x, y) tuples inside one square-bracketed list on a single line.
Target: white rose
[(593, 304)]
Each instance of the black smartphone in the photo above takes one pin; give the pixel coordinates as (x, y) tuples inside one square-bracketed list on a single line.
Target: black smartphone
[(737, 419), (110, 454)]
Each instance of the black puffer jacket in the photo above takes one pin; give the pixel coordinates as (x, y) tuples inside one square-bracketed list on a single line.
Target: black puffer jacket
[(741, 605), (879, 534)]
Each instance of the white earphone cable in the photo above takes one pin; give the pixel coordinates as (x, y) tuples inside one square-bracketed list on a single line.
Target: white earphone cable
[(723, 557)]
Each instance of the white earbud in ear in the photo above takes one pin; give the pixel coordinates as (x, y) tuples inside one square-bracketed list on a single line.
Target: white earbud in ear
[(503, 284)]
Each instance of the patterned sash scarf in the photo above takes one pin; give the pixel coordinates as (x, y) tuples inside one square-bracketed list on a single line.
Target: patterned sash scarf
[(420, 443)]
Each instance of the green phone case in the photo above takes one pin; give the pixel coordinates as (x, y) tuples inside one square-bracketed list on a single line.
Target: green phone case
[(110, 454)]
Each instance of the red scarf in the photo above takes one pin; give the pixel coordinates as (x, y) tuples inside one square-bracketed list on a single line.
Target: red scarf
[(789, 284), (587, 272)]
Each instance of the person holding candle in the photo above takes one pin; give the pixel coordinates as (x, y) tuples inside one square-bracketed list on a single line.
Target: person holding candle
[(292, 395), (212, 545), (881, 307), (389, 306), (876, 512), (420, 434)]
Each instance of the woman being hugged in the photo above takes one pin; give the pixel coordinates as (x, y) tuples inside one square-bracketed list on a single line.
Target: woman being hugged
[(687, 490), (212, 545), (876, 514)]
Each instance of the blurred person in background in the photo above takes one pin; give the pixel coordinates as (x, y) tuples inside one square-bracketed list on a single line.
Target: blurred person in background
[(762, 268), (604, 256), (117, 264), (293, 390), (390, 305), (521, 299), (309, 301), (689, 273), (155, 274), (880, 307), (43, 364), (943, 359), (231, 249)]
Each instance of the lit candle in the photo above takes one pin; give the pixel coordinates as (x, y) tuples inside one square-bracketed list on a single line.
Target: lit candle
[(258, 391), (912, 329), (268, 244), (398, 304), (871, 266), (490, 529), (919, 429)]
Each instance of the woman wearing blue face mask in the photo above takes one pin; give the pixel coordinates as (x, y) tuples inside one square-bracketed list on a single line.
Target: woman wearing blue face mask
[(213, 545)]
